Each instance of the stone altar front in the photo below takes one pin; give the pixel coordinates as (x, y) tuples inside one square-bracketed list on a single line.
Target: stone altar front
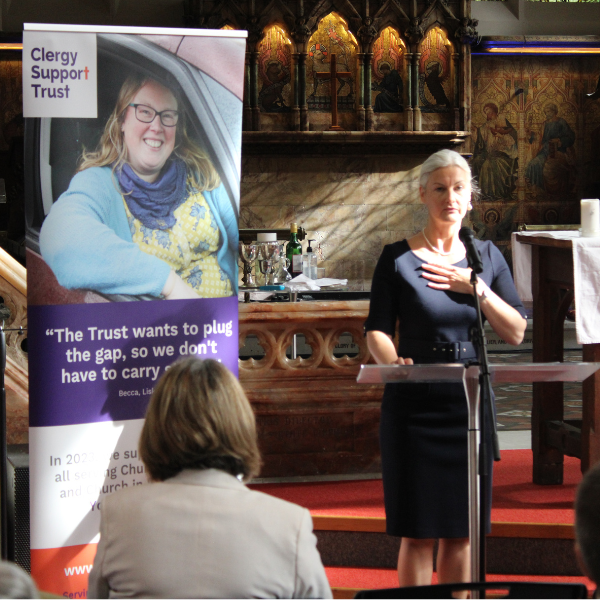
[(312, 416)]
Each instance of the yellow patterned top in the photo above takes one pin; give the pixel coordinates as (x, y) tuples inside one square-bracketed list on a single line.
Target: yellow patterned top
[(189, 247)]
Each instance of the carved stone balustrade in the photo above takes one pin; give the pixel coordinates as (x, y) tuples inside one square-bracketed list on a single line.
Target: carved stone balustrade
[(313, 418)]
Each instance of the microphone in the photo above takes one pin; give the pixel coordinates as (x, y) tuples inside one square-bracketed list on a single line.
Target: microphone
[(467, 237)]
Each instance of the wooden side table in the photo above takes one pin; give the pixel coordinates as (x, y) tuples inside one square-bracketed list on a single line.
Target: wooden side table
[(552, 436)]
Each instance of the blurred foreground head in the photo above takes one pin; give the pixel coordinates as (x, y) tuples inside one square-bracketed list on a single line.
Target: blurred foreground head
[(587, 523), (15, 582), (199, 418)]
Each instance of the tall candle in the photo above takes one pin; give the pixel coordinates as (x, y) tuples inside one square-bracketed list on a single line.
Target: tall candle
[(590, 218)]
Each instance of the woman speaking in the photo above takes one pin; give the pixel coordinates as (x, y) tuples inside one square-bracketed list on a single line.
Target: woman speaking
[(146, 212), (424, 284)]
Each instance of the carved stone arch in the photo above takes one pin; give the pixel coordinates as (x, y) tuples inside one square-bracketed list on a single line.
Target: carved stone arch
[(266, 25), (397, 32), (400, 27), (439, 14), (437, 76), (343, 8), (226, 12), (445, 30), (390, 14), (277, 13), (275, 69)]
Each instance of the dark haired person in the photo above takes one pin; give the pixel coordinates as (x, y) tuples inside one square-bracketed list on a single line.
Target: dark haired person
[(587, 525), (196, 531)]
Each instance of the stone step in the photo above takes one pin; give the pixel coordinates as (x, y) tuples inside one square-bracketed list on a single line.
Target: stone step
[(511, 548), (346, 582)]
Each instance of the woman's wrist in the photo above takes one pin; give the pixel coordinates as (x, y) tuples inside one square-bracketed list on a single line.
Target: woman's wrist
[(483, 291)]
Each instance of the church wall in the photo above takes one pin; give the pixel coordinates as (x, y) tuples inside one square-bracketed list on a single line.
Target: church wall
[(354, 206), (544, 156), (351, 206)]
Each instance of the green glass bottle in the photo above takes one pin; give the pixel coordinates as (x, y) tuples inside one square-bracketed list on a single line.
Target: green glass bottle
[(293, 251)]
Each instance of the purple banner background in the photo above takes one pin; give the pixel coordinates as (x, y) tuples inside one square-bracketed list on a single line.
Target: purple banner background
[(123, 382)]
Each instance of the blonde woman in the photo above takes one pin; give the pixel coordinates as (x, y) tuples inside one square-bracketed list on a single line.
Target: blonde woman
[(146, 212), (424, 284), (196, 531)]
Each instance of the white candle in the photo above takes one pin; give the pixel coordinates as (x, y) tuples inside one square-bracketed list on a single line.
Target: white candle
[(590, 218)]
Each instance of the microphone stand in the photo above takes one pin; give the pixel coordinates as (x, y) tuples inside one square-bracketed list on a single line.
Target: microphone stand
[(478, 339)]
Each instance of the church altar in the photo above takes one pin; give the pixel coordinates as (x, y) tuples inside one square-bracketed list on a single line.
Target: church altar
[(553, 287)]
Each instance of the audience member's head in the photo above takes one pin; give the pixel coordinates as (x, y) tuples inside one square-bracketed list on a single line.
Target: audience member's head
[(15, 582), (587, 523), (199, 418)]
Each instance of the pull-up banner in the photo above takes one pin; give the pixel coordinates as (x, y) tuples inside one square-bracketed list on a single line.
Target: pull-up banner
[(132, 158)]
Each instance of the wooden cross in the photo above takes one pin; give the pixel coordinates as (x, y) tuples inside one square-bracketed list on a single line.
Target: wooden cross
[(333, 76)]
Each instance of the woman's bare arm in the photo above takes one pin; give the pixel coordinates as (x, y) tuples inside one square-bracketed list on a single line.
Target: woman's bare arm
[(383, 351)]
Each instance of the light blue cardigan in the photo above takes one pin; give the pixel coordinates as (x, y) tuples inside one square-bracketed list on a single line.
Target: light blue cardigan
[(86, 240)]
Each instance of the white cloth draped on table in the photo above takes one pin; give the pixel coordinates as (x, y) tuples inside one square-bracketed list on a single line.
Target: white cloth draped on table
[(586, 275)]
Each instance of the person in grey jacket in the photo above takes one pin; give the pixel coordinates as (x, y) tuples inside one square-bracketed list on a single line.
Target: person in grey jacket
[(196, 531)]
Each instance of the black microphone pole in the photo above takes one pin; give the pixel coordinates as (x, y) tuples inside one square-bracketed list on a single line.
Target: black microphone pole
[(478, 339)]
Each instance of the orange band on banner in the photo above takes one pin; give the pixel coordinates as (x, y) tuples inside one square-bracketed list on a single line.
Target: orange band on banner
[(63, 571)]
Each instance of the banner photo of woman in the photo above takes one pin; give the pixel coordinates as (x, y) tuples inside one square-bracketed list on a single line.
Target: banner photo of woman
[(132, 157)]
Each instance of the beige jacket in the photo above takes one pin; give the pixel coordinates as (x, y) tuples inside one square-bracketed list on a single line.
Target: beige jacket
[(204, 534)]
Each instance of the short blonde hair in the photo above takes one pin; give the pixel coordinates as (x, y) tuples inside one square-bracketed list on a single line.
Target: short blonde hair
[(112, 151), (440, 160), (199, 418)]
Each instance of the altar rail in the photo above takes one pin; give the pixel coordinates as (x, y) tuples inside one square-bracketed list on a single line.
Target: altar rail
[(313, 418)]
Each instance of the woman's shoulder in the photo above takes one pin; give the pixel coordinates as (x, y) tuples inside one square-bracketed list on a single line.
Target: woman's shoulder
[(288, 512), (396, 249), (94, 178), (488, 248)]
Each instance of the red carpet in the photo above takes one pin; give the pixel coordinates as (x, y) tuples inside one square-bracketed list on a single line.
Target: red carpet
[(515, 497)]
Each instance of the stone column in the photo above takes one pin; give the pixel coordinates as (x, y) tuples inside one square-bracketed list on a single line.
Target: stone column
[(302, 91), (408, 83), (295, 93), (360, 91), (367, 91), (465, 89), (247, 118), (415, 92), (455, 78), (254, 91)]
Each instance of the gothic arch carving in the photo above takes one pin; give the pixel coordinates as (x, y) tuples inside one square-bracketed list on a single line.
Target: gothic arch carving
[(365, 20)]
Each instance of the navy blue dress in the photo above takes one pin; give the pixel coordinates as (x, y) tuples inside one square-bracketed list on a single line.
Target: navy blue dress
[(423, 428)]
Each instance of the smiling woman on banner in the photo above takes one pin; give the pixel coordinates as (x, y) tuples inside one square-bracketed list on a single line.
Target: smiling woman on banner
[(424, 284), (146, 212)]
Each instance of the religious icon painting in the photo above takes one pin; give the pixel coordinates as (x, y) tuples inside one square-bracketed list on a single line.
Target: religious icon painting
[(274, 70), (436, 88), (495, 154), (332, 37), (551, 170), (387, 95), (494, 222)]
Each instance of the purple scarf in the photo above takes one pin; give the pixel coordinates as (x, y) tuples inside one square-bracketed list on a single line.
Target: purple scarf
[(154, 203)]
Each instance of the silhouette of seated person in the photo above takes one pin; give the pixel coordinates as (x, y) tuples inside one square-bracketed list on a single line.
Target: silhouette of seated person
[(587, 525), (196, 531)]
